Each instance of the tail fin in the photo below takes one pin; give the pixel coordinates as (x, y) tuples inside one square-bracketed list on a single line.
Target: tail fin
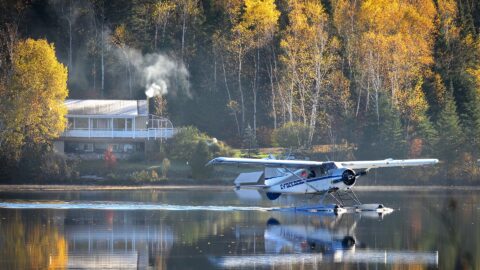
[(256, 180), (249, 179)]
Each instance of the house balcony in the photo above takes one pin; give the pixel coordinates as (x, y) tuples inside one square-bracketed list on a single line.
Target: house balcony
[(118, 127), (151, 133)]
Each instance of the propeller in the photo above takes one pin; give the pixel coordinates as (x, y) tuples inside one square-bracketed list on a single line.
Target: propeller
[(349, 177)]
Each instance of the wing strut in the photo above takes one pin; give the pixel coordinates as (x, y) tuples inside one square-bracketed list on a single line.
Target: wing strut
[(302, 179), (346, 195)]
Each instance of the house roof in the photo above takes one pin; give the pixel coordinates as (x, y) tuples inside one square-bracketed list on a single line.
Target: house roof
[(106, 107)]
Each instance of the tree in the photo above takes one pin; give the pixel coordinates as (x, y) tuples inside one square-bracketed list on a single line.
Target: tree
[(450, 137), (458, 63), (183, 144), (260, 20), (32, 109), (395, 47), (109, 158), (392, 142), (200, 157), (162, 11), (291, 135), (309, 57), (188, 10), (249, 139), (120, 39)]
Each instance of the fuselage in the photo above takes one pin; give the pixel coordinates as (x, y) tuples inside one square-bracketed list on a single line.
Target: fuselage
[(303, 181)]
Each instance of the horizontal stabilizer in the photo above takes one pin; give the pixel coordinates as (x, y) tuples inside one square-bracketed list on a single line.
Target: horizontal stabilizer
[(249, 178)]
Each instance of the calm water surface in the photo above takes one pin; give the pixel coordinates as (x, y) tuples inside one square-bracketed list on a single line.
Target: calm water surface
[(205, 229)]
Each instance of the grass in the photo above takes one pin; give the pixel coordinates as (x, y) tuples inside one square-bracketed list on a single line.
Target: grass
[(178, 174)]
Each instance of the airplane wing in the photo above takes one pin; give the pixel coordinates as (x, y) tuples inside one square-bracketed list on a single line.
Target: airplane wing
[(386, 163), (277, 163)]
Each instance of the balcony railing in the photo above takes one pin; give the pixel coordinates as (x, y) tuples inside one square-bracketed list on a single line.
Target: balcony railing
[(152, 133)]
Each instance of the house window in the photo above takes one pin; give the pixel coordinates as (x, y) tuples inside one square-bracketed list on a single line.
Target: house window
[(114, 147), (129, 123), (70, 123), (100, 123), (80, 123), (88, 147), (119, 124)]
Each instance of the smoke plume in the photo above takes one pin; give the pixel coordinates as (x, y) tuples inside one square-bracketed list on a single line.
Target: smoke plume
[(156, 73)]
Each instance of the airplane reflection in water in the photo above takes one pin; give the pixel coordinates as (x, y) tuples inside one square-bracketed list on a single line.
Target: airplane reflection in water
[(327, 240)]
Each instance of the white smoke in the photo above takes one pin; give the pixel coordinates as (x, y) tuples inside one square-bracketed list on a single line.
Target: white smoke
[(156, 72), (155, 89)]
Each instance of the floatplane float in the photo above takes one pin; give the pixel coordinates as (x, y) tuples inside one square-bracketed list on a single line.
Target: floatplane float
[(332, 179)]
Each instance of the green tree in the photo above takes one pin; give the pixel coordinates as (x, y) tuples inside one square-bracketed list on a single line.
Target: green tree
[(291, 135), (200, 157), (450, 132), (392, 141), (458, 62), (249, 138), (182, 145)]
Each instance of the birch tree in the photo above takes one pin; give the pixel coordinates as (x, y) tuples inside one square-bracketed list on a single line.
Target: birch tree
[(259, 22), (187, 11), (162, 12), (309, 57), (119, 39)]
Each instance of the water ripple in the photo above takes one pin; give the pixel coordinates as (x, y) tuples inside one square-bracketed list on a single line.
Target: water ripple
[(96, 205)]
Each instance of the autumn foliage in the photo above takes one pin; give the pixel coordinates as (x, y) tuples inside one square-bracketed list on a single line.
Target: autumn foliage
[(393, 78), (109, 158)]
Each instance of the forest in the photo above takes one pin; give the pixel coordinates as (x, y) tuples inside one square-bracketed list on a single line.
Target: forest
[(385, 78)]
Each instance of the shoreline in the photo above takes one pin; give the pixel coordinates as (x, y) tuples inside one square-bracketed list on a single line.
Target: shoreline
[(4, 188)]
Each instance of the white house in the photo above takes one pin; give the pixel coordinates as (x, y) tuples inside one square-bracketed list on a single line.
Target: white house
[(124, 125)]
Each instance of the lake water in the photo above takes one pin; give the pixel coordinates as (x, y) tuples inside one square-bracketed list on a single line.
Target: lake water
[(214, 229)]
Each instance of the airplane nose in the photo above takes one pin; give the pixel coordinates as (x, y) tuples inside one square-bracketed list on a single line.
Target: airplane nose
[(348, 242), (348, 177)]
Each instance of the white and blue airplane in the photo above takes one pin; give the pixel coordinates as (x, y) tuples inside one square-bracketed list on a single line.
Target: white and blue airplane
[(312, 177)]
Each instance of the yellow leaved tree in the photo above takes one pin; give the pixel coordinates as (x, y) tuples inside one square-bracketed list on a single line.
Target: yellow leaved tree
[(309, 58), (32, 112)]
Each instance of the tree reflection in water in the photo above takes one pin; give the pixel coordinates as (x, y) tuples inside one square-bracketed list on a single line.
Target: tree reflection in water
[(37, 243), (88, 238)]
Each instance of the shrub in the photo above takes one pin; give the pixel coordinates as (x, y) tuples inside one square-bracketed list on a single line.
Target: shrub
[(137, 156), (200, 157), (182, 145), (196, 148), (55, 166), (165, 167), (291, 135), (110, 158), (264, 136), (145, 176)]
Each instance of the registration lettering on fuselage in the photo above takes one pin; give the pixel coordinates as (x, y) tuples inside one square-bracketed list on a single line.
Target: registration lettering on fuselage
[(291, 184)]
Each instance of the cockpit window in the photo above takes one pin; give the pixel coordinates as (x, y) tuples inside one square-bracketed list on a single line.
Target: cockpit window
[(329, 166)]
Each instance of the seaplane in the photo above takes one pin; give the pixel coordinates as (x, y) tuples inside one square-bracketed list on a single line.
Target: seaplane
[(333, 179)]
